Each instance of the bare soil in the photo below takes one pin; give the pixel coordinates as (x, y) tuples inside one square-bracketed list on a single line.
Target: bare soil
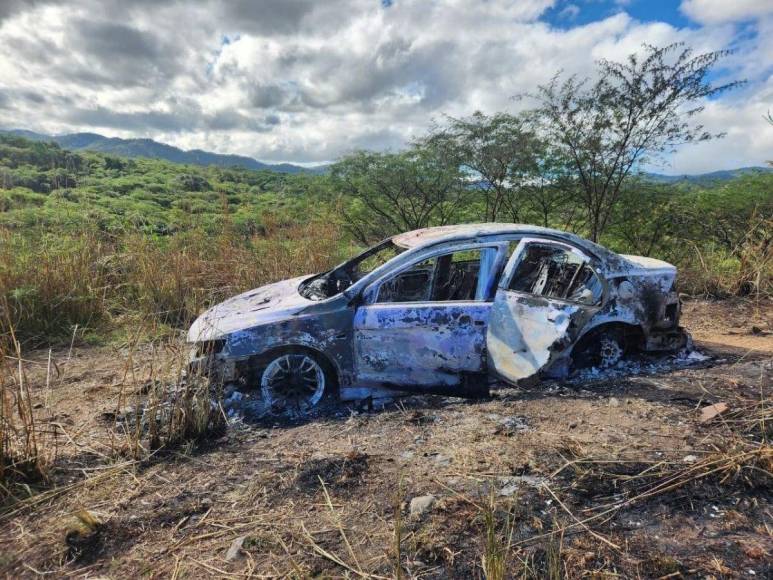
[(614, 476)]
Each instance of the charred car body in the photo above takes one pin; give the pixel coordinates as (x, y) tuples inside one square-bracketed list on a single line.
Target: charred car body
[(441, 310)]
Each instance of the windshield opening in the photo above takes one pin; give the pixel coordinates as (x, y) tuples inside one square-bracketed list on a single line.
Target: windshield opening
[(338, 279)]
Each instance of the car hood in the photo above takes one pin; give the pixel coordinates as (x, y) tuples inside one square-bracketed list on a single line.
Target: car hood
[(263, 305), (649, 266)]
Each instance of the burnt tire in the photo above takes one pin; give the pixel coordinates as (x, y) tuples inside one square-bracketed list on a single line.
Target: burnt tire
[(602, 350), (294, 381)]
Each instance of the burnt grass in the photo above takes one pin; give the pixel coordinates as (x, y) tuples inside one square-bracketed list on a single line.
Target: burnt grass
[(659, 492), (341, 473)]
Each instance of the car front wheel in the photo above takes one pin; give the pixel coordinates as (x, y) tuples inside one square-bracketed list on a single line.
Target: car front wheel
[(294, 382)]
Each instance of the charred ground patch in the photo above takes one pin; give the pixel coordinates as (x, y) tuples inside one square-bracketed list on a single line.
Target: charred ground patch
[(340, 473)]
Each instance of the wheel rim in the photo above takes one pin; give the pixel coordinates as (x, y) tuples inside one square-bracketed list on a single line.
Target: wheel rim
[(610, 353), (293, 382)]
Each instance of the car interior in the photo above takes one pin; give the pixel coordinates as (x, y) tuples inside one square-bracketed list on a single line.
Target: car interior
[(451, 277), (554, 272)]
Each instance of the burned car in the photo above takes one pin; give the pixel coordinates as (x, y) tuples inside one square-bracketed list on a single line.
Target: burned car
[(445, 310)]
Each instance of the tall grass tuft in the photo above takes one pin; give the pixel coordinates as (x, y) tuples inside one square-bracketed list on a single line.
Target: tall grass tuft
[(497, 542), (23, 446), (162, 403)]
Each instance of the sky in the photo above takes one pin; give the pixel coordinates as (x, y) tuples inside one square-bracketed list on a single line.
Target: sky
[(307, 81)]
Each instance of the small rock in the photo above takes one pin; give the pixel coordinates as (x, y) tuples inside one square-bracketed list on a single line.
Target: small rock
[(235, 550), (512, 425), (513, 483), (614, 402), (508, 490), (421, 505), (756, 330), (690, 459)]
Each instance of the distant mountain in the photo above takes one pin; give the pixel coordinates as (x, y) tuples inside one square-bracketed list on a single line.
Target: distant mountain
[(156, 150), (704, 178)]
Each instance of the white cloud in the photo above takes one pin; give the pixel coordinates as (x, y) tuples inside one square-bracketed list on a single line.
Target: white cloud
[(570, 12), (716, 11), (306, 81), (749, 139)]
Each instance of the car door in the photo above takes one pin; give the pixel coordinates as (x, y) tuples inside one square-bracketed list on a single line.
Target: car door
[(547, 290), (424, 326)]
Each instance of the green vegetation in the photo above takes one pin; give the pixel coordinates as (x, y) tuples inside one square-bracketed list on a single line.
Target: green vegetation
[(91, 240), (42, 185)]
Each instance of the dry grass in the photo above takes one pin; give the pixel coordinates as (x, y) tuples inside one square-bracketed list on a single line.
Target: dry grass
[(744, 270), (52, 285), (161, 403), (26, 447), (498, 542)]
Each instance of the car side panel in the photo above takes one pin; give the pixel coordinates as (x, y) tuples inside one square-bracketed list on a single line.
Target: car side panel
[(416, 345)]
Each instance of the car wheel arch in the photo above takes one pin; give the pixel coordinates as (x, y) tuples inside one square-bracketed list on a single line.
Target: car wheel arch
[(257, 362), (632, 333)]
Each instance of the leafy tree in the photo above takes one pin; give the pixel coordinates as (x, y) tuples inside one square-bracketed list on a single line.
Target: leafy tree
[(648, 218), (190, 182), (389, 193), (498, 153), (637, 110), (549, 189)]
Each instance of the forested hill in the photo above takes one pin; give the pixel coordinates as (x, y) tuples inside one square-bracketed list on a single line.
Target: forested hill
[(154, 150), (707, 178), (42, 184)]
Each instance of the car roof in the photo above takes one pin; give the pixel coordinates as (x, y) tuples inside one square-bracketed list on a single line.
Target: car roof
[(439, 234)]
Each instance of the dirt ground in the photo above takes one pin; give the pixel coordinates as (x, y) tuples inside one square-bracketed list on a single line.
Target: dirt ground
[(613, 476)]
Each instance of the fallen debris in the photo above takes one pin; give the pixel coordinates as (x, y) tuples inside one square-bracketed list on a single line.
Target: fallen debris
[(711, 411), (338, 472), (643, 364)]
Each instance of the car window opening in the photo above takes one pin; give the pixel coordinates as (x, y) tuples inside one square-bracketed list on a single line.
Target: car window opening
[(555, 272), (335, 281), (453, 277)]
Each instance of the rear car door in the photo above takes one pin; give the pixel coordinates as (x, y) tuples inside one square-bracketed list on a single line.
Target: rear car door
[(421, 328), (547, 291)]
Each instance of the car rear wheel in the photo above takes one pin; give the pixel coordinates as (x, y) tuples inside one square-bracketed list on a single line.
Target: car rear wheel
[(294, 382)]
